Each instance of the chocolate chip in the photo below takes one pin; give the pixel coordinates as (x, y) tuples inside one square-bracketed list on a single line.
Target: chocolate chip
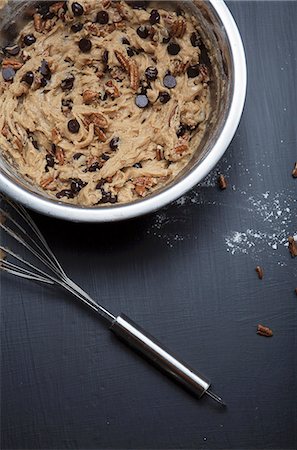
[(169, 81), (95, 166), (12, 50), (195, 39), (77, 9), (138, 4), (141, 101), (50, 160), (130, 51), (105, 157), (77, 184), (114, 143), (100, 183), (164, 97), (45, 70), (65, 193), (107, 197), (85, 45), (173, 48), (28, 78), (137, 165), (142, 31), (193, 71), (125, 41), (151, 73), (43, 8), (48, 16), (35, 144), (105, 57), (67, 84), (29, 39), (204, 58), (179, 11), (73, 126), (181, 130), (154, 17), (8, 73), (76, 27), (166, 39), (43, 82), (102, 17), (54, 149), (77, 155), (67, 103)]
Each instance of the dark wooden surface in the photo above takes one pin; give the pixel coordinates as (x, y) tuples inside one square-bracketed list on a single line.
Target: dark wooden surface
[(187, 274)]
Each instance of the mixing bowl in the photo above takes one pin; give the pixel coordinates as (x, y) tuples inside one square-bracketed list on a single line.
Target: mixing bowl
[(228, 89)]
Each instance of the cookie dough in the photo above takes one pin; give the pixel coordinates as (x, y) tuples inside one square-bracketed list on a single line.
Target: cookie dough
[(101, 101)]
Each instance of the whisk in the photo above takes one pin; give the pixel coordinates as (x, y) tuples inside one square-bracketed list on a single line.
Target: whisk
[(16, 222)]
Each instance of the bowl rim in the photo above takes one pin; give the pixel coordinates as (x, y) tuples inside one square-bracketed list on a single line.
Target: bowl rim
[(126, 211)]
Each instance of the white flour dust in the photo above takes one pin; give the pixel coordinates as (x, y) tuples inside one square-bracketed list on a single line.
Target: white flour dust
[(274, 213)]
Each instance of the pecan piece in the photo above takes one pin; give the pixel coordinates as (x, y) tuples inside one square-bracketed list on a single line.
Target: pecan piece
[(17, 143), (56, 7), (292, 246), (111, 89), (46, 181), (5, 130), (222, 182), (106, 3), (179, 27), (264, 331), (294, 171), (60, 156), (89, 96), (134, 75), (260, 272), (140, 190), (122, 60), (100, 133), (38, 23), (159, 153), (182, 146), (56, 137), (11, 62), (142, 184)]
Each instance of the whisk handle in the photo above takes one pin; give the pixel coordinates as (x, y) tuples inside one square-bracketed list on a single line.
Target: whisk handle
[(156, 353)]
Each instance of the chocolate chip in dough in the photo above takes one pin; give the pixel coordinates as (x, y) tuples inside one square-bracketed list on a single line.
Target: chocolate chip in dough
[(85, 45), (173, 48), (67, 84), (77, 9), (169, 81), (73, 126), (142, 31), (29, 39), (28, 78), (8, 73), (141, 101), (193, 71), (154, 17), (13, 50), (195, 39), (76, 27), (151, 73), (77, 184), (102, 17), (114, 143), (65, 193), (164, 97)]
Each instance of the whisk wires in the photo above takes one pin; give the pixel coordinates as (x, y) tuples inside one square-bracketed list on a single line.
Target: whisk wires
[(35, 244)]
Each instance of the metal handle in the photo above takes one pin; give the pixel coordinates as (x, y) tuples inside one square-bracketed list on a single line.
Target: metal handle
[(140, 340)]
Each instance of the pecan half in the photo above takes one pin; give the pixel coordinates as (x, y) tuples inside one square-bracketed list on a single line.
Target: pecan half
[(179, 27), (89, 96), (264, 331), (11, 62), (97, 119), (134, 75), (122, 60)]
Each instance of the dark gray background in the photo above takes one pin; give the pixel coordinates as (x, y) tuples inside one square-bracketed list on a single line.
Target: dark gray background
[(186, 277)]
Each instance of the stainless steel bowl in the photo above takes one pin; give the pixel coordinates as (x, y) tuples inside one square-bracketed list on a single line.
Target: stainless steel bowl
[(228, 90)]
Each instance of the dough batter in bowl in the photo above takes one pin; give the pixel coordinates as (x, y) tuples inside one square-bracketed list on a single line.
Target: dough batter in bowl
[(104, 102)]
